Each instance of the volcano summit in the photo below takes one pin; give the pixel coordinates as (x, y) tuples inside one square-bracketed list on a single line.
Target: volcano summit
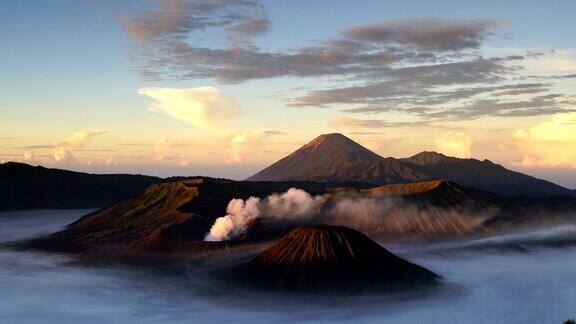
[(336, 158), (331, 258)]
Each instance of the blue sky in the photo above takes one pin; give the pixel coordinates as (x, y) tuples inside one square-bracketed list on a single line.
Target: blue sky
[(71, 67)]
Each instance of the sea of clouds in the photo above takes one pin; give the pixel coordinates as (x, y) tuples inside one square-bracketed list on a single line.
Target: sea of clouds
[(480, 286)]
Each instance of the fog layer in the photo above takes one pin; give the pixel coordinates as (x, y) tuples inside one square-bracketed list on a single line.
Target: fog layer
[(495, 285)]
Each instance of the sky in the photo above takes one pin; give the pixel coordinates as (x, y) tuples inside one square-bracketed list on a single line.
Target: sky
[(226, 87)]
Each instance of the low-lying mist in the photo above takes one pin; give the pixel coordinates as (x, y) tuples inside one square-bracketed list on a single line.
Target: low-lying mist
[(480, 286)]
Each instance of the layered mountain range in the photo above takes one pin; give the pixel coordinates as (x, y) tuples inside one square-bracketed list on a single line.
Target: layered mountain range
[(335, 158), (330, 160), (23, 186)]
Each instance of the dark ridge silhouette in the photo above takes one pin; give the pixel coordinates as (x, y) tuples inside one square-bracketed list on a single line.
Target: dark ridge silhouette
[(483, 175), (334, 158), (330, 258), (23, 186)]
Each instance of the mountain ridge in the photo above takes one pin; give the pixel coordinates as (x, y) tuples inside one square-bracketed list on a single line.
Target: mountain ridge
[(484, 175), (357, 163), (23, 186)]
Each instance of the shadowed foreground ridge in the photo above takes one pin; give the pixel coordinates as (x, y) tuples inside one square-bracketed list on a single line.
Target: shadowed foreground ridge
[(331, 258)]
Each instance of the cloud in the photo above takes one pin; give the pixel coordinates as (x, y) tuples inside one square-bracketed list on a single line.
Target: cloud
[(519, 89), (62, 154), (455, 144), (62, 149), (559, 128), (427, 33), (79, 138), (203, 107), (168, 46), (73, 141), (425, 91), (427, 67), (347, 122), (561, 61), (111, 161), (230, 149), (35, 147), (550, 143), (176, 18), (135, 144), (28, 156), (251, 27), (159, 34), (248, 145), (176, 151), (415, 84), (170, 19), (483, 107)]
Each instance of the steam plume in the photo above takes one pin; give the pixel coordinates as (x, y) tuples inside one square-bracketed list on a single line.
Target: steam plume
[(392, 216), (293, 204)]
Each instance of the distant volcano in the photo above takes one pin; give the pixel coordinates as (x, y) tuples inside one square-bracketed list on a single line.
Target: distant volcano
[(331, 258), (336, 158)]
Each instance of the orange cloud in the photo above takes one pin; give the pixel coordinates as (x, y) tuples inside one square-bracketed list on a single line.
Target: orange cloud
[(62, 154), (551, 143), (62, 151), (203, 107), (79, 138), (455, 144), (28, 156)]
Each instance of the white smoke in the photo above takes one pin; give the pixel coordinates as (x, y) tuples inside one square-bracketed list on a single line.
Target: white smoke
[(294, 204), (379, 215)]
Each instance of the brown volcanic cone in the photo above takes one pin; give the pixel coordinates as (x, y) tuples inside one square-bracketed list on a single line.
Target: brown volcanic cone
[(328, 258)]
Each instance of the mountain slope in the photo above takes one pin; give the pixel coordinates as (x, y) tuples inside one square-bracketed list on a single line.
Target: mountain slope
[(179, 211), (336, 158), (330, 258), (23, 186), (483, 175)]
